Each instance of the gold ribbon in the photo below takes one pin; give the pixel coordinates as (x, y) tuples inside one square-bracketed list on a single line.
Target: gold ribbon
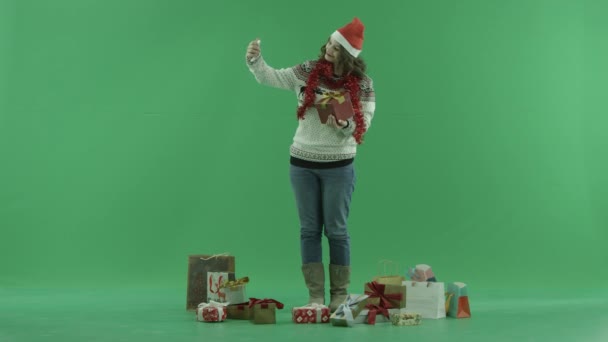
[(447, 301), (234, 283), (332, 95)]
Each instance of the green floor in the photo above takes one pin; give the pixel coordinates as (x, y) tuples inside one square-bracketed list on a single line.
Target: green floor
[(159, 315)]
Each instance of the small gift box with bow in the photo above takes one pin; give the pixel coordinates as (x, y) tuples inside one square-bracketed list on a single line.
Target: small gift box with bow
[(311, 313), (239, 311), (264, 310), (390, 296), (335, 103), (211, 312), (345, 314), (234, 290)]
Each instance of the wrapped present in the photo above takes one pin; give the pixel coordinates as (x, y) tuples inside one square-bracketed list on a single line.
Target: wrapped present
[(205, 274), (375, 310), (378, 314), (211, 312), (338, 104), (425, 298), (235, 290), (239, 311), (421, 272), (311, 313), (346, 313), (457, 303), (264, 310), (391, 296), (404, 319)]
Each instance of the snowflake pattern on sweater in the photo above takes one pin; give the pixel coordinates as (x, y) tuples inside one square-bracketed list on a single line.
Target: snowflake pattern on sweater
[(313, 140)]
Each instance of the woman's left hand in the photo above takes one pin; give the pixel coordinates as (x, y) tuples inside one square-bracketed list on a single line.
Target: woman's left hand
[(331, 120)]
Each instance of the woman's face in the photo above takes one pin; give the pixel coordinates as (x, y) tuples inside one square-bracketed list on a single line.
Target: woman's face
[(332, 50)]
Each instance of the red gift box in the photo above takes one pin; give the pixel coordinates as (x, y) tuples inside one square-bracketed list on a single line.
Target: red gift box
[(313, 313), (335, 103)]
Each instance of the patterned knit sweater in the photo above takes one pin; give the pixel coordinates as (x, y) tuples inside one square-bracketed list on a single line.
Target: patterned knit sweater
[(313, 140)]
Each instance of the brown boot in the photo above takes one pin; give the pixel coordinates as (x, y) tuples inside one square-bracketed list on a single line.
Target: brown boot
[(339, 280), (314, 276)]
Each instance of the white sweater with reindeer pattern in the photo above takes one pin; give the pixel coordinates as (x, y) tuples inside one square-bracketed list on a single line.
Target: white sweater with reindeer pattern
[(314, 141)]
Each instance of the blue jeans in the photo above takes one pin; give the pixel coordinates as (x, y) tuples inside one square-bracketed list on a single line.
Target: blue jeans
[(323, 199)]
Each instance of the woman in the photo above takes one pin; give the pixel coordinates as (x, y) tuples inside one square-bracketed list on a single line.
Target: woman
[(322, 154)]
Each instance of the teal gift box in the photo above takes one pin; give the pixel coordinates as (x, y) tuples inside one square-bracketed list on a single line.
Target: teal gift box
[(458, 301)]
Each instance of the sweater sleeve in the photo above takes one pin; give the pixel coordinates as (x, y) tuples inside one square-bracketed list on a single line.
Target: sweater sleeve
[(284, 78), (367, 98)]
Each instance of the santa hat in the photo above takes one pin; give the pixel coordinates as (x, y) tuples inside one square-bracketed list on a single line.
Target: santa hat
[(350, 36)]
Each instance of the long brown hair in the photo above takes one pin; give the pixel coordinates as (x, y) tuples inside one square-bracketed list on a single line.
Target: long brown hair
[(353, 72), (349, 64)]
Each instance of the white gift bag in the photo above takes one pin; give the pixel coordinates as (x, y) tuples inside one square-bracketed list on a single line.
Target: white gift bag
[(214, 291), (236, 294), (425, 298)]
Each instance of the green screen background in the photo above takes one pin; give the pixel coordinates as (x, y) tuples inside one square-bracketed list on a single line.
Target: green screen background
[(132, 134)]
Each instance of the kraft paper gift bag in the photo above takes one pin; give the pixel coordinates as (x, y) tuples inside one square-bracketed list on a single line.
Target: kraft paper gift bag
[(205, 274), (389, 274), (425, 298), (458, 301)]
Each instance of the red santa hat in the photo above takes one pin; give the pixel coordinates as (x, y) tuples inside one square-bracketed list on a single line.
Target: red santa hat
[(350, 36)]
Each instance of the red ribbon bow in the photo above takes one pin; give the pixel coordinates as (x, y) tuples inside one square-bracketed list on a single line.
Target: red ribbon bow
[(376, 290), (373, 311), (264, 302)]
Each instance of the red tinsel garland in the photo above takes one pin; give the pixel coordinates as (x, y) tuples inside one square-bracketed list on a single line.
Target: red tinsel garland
[(324, 68)]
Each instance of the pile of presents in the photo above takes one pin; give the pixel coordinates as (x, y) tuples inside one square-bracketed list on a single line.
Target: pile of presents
[(217, 295)]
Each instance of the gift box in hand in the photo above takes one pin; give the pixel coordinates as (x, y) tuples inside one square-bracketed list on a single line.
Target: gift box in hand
[(335, 103)]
